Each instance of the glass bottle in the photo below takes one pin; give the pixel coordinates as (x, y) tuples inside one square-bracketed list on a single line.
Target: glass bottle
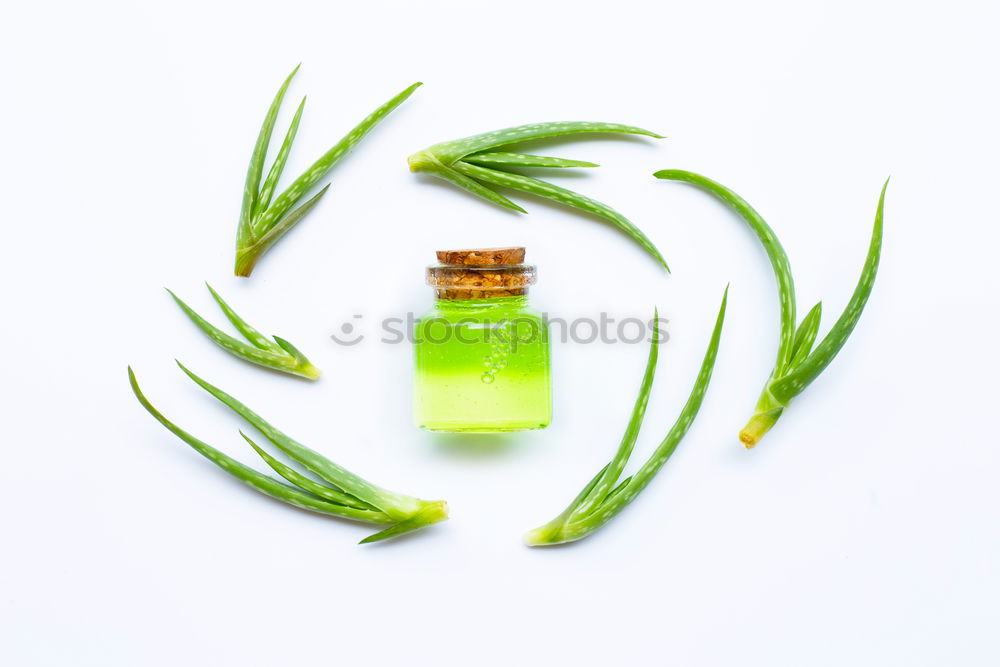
[(482, 354)]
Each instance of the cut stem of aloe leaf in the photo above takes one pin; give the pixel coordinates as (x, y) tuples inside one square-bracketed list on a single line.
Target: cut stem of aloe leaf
[(278, 355), (348, 496), (604, 497), (798, 363), (473, 164), (262, 220)]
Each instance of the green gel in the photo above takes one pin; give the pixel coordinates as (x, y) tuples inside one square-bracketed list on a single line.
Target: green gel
[(482, 365)]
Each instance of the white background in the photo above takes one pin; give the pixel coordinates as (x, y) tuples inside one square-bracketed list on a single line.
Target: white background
[(862, 530)]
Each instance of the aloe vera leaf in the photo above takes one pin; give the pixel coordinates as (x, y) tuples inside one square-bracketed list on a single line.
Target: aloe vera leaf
[(288, 347), (294, 192), (471, 156), (618, 489), (580, 497), (775, 253), (233, 345), (559, 530), (451, 151), (266, 485), (501, 159), (271, 181), (274, 358), (805, 335), (792, 384), (600, 492), (563, 196), (258, 339), (250, 189), (431, 165), (432, 512), (680, 428), (396, 505), (306, 484), (791, 377), (246, 258)]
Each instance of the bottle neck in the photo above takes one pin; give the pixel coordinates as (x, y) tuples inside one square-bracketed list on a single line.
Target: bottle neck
[(481, 283)]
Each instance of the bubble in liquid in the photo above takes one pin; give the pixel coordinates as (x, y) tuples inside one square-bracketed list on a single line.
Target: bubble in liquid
[(487, 378), (500, 364), (487, 361)]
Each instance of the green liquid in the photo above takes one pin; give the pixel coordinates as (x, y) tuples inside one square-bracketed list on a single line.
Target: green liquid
[(482, 365)]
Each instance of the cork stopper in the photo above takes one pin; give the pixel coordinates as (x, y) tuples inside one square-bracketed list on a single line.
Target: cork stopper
[(482, 256), (481, 273)]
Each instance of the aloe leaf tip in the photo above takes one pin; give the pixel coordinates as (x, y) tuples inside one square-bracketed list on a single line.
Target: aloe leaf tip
[(430, 512)]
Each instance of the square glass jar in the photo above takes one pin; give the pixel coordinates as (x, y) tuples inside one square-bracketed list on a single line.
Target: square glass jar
[(482, 353)]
